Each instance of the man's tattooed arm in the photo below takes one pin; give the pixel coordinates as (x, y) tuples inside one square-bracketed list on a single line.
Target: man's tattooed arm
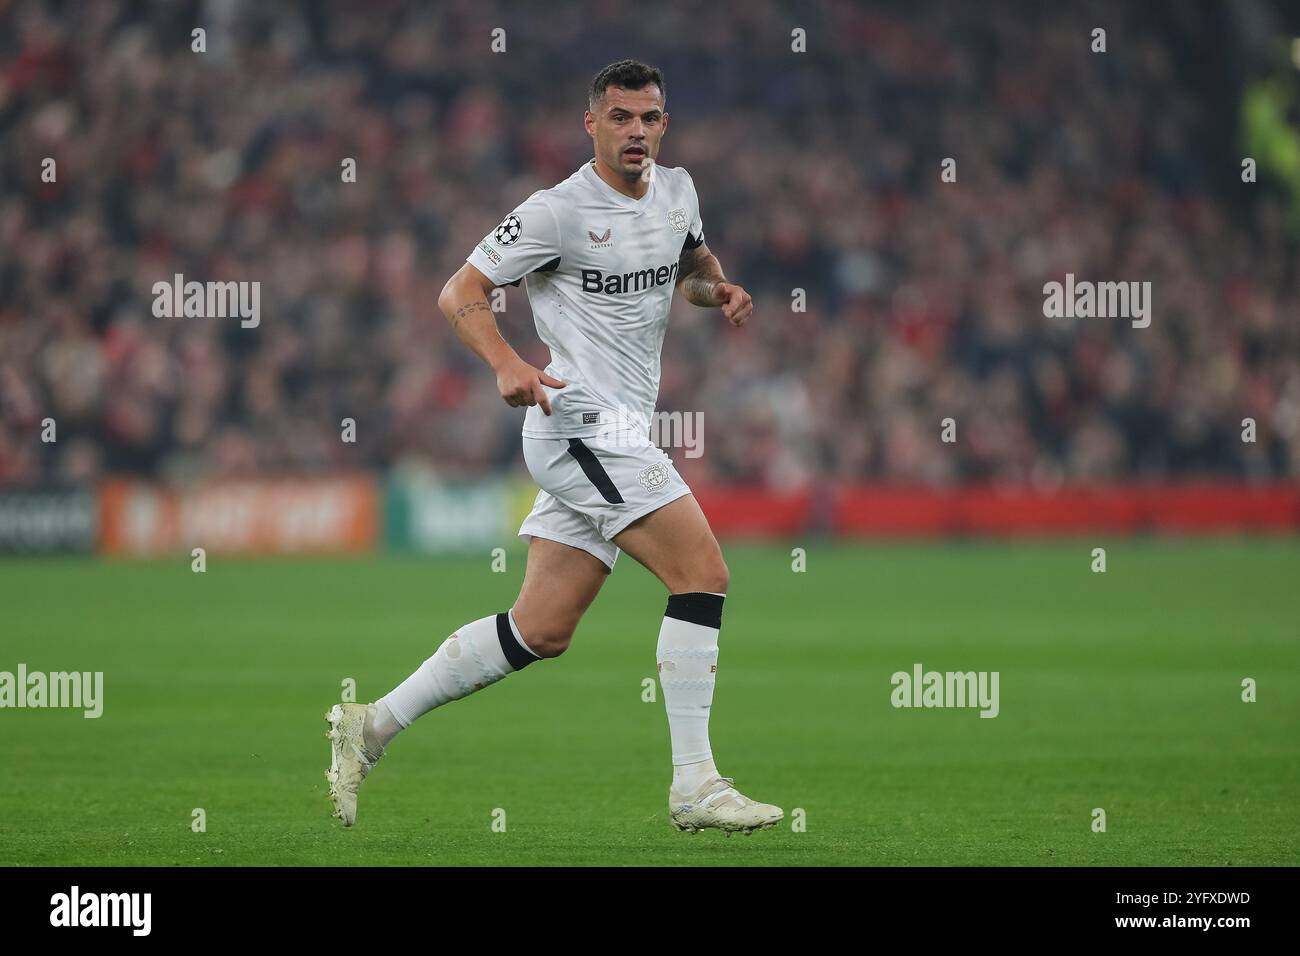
[(464, 311), (464, 304), (698, 273)]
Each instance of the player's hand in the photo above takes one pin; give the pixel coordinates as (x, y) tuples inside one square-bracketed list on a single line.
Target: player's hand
[(737, 306), (521, 384)]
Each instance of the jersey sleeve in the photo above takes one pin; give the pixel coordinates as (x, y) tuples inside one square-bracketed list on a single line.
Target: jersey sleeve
[(527, 240), (694, 235)]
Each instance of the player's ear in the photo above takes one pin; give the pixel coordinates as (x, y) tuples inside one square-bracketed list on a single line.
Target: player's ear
[(589, 123)]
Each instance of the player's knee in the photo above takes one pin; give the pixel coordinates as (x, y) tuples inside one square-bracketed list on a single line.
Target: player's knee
[(550, 639), (714, 576)]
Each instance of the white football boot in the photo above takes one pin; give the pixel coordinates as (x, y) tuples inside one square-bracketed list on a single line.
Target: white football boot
[(719, 804), (349, 760)]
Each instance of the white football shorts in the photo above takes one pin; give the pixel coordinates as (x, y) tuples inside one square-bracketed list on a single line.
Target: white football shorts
[(593, 488)]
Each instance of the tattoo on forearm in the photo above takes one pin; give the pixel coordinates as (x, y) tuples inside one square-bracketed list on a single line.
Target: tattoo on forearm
[(698, 271), (465, 311), (698, 288)]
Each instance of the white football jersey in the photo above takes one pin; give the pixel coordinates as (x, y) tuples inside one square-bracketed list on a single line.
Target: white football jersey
[(600, 268)]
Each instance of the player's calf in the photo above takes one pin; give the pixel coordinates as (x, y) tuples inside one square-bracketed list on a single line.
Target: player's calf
[(477, 655)]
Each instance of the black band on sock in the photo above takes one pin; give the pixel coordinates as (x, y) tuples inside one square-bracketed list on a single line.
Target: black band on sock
[(697, 607), (516, 655)]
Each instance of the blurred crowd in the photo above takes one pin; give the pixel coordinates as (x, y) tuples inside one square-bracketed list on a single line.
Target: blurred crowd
[(819, 179)]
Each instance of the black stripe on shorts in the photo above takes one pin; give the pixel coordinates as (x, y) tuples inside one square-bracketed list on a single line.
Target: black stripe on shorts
[(594, 470)]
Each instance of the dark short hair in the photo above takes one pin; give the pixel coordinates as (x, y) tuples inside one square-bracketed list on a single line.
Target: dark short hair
[(629, 74)]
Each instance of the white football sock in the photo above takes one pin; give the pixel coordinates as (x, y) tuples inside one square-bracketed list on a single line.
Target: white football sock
[(478, 654), (688, 660)]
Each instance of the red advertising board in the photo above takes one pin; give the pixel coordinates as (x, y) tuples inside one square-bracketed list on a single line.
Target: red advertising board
[(885, 511), (282, 516)]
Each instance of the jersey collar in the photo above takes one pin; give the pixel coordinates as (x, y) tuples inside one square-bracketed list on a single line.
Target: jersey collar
[(589, 171)]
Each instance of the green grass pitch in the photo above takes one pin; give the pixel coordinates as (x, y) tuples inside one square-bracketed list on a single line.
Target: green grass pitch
[(1119, 690)]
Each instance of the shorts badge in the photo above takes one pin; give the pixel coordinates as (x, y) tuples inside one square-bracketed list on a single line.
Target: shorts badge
[(653, 477)]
